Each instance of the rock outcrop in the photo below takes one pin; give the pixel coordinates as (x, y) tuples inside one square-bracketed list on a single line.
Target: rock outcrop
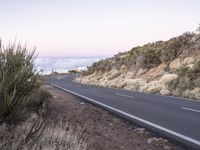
[(166, 68)]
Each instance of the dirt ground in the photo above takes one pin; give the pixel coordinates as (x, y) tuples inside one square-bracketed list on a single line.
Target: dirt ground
[(104, 130)]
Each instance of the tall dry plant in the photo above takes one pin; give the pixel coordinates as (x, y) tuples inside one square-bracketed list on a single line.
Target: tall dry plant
[(19, 86)]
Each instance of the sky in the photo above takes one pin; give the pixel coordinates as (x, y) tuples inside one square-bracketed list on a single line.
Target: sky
[(94, 28)]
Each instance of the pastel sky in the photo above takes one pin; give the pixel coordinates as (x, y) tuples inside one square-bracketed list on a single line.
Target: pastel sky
[(91, 28)]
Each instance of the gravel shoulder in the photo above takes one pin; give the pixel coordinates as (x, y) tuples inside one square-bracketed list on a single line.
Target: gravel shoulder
[(103, 129)]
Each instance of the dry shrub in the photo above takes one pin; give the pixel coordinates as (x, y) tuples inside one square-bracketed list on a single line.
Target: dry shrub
[(152, 87), (197, 82), (63, 136), (188, 79), (36, 134), (24, 135), (150, 55), (19, 84), (135, 84), (176, 46)]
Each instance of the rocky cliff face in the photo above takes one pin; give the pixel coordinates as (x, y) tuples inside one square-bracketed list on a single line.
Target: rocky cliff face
[(165, 67)]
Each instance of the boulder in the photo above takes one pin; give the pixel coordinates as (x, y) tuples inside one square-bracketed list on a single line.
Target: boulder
[(165, 92), (195, 91), (153, 87), (154, 73), (135, 84), (141, 71), (167, 78), (130, 75), (102, 83), (113, 74), (197, 96), (188, 94), (121, 85), (123, 67)]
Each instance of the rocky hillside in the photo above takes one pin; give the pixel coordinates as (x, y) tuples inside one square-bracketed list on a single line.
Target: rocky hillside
[(164, 67)]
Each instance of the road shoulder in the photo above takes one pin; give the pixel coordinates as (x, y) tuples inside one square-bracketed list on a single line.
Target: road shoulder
[(105, 130)]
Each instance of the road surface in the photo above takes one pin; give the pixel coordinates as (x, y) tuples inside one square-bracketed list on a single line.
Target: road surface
[(175, 118)]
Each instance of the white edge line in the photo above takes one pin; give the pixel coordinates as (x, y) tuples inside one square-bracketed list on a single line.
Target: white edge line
[(190, 109), (136, 118), (124, 95)]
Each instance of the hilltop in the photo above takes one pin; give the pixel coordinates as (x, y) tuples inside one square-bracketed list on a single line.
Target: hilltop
[(163, 67)]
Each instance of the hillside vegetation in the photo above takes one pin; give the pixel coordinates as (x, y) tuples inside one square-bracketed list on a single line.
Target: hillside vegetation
[(164, 67)]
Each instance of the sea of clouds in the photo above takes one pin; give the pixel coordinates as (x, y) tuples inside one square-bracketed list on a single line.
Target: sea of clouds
[(62, 65)]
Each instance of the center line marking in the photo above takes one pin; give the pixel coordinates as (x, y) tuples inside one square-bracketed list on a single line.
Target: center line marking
[(190, 109), (124, 95)]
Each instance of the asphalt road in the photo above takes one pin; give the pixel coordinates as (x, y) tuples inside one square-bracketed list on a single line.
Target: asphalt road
[(175, 118)]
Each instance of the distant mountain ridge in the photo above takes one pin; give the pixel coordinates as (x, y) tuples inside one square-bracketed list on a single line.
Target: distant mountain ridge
[(164, 67)]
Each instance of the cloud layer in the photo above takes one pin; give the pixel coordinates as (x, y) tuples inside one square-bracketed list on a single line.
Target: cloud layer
[(62, 65)]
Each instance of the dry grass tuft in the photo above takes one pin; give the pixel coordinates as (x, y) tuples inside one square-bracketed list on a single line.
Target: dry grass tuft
[(36, 134)]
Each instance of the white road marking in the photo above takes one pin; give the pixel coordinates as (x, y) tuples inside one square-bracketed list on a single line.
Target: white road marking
[(135, 117), (124, 95), (190, 109)]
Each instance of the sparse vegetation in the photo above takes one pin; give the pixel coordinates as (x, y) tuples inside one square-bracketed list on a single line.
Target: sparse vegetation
[(19, 86), (176, 46), (34, 135), (20, 95), (168, 68), (188, 79), (23, 107), (150, 55)]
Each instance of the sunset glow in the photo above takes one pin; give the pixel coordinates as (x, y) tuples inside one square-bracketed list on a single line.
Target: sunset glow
[(88, 28)]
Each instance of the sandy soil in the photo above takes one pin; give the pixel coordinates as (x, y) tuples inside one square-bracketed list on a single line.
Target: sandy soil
[(106, 131)]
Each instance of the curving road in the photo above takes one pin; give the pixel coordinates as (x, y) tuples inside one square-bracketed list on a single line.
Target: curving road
[(175, 118)]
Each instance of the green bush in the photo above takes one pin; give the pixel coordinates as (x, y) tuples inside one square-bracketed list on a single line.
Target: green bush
[(152, 58), (147, 56), (191, 73), (184, 83), (189, 78), (37, 99), (18, 83), (175, 46), (183, 71), (195, 71)]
